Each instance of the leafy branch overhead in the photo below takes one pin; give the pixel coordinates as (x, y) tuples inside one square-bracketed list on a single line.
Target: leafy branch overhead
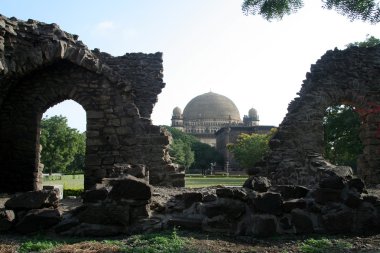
[(365, 10)]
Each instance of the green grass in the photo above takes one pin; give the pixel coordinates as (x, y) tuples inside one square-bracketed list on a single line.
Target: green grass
[(68, 181), (195, 182), (76, 182), (164, 242), (324, 246), (36, 246)]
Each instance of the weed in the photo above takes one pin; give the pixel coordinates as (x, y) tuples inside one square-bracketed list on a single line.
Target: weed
[(36, 246), (324, 246)]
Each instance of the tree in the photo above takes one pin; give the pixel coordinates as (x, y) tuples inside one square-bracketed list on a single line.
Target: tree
[(182, 153), (370, 41), (78, 164), (366, 10), (60, 145), (342, 142), (203, 154), (250, 148)]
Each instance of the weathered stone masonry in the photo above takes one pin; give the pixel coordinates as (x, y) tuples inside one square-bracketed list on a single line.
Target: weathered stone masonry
[(40, 66), (350, 77)]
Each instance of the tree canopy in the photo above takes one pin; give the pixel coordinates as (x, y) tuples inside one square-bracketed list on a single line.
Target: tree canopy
[(190, 152), (63, 148), (365, 10), (250, 148), (342, 142)]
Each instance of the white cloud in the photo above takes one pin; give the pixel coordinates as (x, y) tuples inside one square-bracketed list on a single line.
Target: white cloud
[(105, 26)]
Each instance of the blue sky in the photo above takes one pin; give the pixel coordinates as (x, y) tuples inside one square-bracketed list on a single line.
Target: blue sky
[(206, 44)]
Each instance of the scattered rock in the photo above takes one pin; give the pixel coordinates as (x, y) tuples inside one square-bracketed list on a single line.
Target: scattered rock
[(129, 187), (37, 220), (33, 200), (7, 218), (264, 225)]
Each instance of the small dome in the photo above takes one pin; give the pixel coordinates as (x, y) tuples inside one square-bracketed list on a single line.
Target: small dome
[(211, 106), (177, 112), (252, 113)]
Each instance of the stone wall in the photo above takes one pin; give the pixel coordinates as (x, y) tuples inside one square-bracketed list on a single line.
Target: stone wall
[(348, 77), (129, 205), (40, 66)]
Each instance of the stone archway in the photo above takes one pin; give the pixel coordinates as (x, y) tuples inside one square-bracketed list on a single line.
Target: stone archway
[(350, 76), (40, 66)]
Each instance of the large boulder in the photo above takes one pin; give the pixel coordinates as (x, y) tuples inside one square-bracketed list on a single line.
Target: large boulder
[(256, 183), (232, 209), (302, 221), (95, 195), (38, 219), (264, 225), (128, 188), (269, 202), (33, 200), (337, 218), (291, 191), (106, 214), (333, 182), (7, 218)]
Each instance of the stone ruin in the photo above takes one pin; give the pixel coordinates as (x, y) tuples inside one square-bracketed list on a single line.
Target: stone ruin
[(349, 77), (40, 66)]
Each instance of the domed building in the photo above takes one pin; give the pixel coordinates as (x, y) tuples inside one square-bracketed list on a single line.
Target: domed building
[(205, 114), (215, 120)]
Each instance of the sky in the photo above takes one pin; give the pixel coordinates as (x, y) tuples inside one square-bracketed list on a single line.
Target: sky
[(207, 45)]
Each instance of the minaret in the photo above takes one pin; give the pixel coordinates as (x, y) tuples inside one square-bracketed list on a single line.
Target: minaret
[(252, 119), (177, 119)]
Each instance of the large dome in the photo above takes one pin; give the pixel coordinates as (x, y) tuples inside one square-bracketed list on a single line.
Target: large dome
[(211, 106)]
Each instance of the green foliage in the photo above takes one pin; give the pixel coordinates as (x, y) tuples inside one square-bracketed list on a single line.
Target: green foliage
[(204, 155), (365, 10), (152, 243), (206, 181), (271, 9), (188, 151), (63, 148), (36, 246), (182, 153), (341, 135), (250, 148), (324, 246), (370, 41)]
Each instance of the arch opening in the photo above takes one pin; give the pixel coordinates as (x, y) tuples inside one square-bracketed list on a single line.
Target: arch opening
[(63, 144), (342, 143)]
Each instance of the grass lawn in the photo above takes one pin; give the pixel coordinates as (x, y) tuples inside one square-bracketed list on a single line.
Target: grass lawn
[(68, 181), (76, 182)]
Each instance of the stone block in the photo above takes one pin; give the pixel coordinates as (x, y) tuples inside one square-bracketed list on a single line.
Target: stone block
[(269, 202), (291, 191), (186, 223), (95, 195), (357, 183), (325, 195), (57, 187), (337, 218), (33, 200), (191, 197), (129, 187), (106, 214), (289, 205), (259, 184), (264, 225), (332, 182), (7, 218), (37, 220), (302, 221)]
